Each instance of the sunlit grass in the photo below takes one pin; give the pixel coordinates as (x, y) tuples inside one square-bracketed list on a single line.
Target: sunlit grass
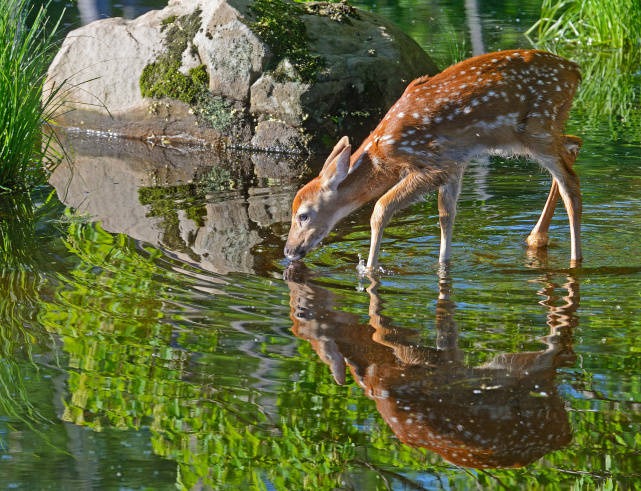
[(27, 46), (602, 23), (604, 37)]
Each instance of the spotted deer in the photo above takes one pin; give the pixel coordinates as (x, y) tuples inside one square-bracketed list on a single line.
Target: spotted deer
[(509, 103)]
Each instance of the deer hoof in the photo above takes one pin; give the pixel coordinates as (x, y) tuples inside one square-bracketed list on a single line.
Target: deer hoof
[(537, 240)]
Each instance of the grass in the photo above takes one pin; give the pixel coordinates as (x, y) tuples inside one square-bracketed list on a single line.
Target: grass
[(27, 45), (604, 37), (598, 23)]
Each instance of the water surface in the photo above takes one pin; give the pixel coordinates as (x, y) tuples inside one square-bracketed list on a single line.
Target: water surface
[(155, 337)]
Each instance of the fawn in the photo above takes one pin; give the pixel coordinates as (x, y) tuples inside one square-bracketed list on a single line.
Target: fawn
[(509, 103)]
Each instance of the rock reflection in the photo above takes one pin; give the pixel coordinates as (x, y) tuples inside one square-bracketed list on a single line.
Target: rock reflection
[(504, 413), (147, 192)]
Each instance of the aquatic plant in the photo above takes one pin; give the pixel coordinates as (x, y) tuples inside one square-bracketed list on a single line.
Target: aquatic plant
[(604, 37), (598, 23), (27, 45)]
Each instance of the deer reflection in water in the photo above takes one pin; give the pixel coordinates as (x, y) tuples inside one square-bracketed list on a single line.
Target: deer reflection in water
[(504, 413)]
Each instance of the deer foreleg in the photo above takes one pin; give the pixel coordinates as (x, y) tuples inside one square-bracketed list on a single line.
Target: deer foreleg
[(406, 191)]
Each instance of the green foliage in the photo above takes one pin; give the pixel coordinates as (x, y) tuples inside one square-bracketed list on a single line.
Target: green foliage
[(26, 49), (457, 48), (596, 23), (604, 38), (278, 24)]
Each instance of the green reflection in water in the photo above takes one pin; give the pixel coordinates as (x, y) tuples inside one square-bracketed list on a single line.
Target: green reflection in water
[(25, 230), (234, 400)]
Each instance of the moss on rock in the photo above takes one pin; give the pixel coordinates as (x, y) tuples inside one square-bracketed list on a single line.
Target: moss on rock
[(168, 21), (180, 32), (163, 77), (278, 24)]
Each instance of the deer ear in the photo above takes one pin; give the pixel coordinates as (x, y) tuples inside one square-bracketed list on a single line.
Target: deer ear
[(336, 171), (338, 148)]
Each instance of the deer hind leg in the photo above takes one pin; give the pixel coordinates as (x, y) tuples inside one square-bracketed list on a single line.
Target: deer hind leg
[(447, 197), (539, 235), (408, 190), (568, 186)]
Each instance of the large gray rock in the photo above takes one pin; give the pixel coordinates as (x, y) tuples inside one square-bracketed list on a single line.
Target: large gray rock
[(256, 97)]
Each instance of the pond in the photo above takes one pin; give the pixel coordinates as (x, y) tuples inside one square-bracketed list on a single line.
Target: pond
[(151, 339)]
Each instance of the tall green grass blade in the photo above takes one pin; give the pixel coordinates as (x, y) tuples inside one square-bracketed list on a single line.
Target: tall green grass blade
[(28, 43)]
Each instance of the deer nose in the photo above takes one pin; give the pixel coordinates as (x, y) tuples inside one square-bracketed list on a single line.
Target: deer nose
[(294, 253)]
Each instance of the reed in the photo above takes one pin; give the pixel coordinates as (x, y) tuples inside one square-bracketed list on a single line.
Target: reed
[(604, 37), (28, 43)]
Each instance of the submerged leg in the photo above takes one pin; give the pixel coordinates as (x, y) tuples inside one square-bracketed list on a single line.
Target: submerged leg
[(539, 235), (568, 185), (447, 197)]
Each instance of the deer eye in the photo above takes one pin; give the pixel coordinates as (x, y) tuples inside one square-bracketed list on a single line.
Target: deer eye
[(303, 217)]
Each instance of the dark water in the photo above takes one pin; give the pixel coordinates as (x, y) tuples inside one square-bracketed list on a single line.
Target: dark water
[(156, 344)]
